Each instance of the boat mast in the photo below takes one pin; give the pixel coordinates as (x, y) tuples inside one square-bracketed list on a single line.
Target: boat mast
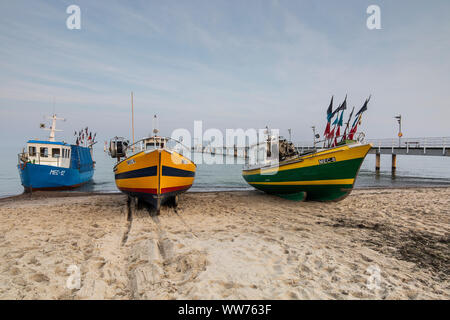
[(53, 129), (155, 125), (132, 117)]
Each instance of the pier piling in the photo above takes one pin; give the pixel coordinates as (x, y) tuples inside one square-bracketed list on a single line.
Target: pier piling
[(394, 163), (377, 162)]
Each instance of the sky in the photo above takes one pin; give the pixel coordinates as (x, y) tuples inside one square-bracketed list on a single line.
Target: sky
[(231, 64)]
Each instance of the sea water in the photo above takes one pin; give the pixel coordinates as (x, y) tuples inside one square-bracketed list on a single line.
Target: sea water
[(412, 171)]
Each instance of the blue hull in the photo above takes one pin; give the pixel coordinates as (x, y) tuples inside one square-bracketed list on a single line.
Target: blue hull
[(35, 176)]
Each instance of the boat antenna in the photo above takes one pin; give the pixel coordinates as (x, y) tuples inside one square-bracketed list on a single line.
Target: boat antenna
[(155, 125), (52, 128), (132, 118)]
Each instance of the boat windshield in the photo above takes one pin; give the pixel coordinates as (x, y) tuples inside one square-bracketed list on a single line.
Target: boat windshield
[(152, 143)]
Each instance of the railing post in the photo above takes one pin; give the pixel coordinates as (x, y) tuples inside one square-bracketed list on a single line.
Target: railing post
[(424, 146), (443, 146)]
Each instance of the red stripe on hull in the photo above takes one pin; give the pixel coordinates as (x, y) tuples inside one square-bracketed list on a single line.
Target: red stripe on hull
[(141, 190), (172, 189)]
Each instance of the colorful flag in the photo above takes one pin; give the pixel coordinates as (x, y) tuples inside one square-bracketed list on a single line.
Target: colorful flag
[(339, 124), (347, 125), (329, 116), (342, 107), (364, 107), (336, 121), (331, 134), (354, 127), (330, 110), (341, 119)]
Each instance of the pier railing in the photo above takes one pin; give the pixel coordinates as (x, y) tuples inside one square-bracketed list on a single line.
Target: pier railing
[(429, 146), (433, 142)]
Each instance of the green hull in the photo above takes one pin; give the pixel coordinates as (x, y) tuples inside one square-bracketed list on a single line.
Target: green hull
[(300, 196), (322, 187)]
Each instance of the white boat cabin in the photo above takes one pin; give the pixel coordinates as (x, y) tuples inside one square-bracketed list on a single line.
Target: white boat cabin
[(49, 153)]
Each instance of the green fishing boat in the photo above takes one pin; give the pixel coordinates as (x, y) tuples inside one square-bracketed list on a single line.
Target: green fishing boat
[(320, 175)]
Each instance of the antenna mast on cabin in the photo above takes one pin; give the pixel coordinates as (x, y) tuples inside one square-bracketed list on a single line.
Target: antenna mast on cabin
[(52, 128), (155, 125), (132, 118)]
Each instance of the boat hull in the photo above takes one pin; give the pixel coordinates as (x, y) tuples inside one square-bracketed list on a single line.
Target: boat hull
[(43, 177), (155, 177), (324, 176)]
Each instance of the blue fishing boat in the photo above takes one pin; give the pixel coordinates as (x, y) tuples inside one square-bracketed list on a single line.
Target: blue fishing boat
[(53, 165)]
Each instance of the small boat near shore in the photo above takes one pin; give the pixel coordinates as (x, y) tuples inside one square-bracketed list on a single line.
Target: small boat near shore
[(153, 169), (56, 165)]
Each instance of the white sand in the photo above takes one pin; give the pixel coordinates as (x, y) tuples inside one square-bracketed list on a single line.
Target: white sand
[(242, 245)]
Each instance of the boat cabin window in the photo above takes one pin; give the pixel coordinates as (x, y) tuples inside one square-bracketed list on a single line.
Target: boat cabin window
[(66, 153), (44, 152), (32, 151), (56, 153), (150, 145)]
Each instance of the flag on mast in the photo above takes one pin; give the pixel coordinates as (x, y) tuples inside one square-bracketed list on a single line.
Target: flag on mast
[(347, 125), (339, 125), (329, 116), (364, 107), (342, 106), (358, 117)]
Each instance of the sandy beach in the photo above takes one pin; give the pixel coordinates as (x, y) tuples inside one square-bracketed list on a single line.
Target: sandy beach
[(375, 244)]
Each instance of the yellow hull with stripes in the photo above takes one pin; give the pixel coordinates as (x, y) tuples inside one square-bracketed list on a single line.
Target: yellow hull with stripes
[(155, 176)]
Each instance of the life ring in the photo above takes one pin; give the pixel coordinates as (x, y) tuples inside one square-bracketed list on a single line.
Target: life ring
[(23, 165)]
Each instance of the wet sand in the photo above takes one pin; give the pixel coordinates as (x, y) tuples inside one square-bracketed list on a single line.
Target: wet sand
[(375, 244)]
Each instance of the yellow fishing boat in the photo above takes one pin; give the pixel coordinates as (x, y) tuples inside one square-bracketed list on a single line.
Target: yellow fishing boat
[(153, 169)]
